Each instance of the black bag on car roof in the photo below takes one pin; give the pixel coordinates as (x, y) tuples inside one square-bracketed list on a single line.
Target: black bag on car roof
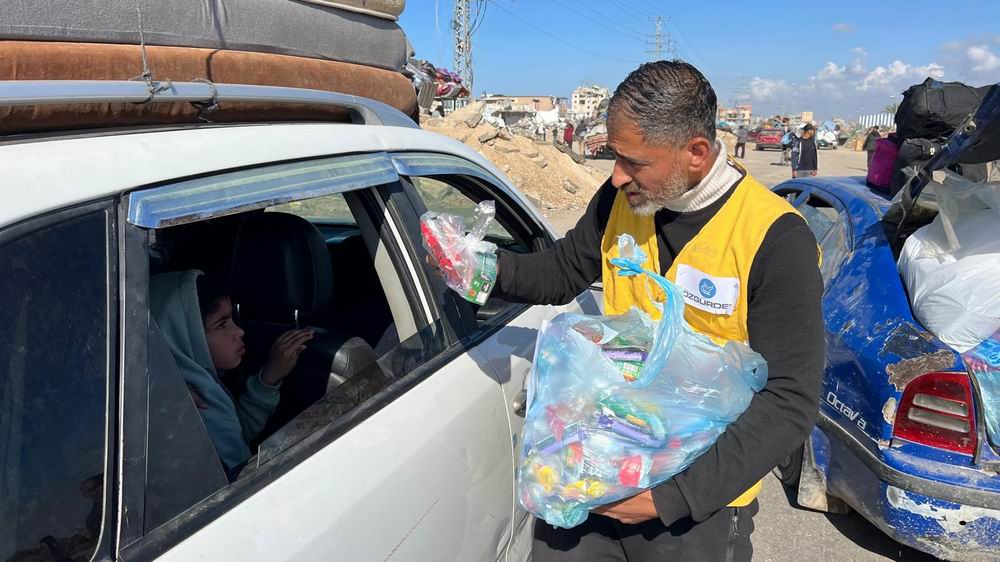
[(934, 109)]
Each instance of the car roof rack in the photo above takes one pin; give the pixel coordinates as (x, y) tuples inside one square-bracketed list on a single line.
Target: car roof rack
[(69, 92)]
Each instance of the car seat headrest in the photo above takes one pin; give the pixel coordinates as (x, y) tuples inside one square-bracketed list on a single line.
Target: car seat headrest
[(281, 268)]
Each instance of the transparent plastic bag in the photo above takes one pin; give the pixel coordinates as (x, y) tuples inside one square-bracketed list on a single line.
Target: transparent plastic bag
[(618, 404), (467, 262), (949, 266), (984, 363)]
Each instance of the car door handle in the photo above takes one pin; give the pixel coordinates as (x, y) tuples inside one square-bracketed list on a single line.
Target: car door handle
[(520, 402)]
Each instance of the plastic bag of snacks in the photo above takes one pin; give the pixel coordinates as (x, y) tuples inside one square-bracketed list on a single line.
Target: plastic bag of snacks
[(467, 262), (984, 362), (618, 404)]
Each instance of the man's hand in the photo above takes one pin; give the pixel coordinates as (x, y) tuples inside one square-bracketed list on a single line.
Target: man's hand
[(814, 173), (637, 509), (795, 174), (284, 355)]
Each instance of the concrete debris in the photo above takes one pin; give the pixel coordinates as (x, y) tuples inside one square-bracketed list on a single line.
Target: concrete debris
[(538, 169), (474, 120), (570, 186), (489, 135)]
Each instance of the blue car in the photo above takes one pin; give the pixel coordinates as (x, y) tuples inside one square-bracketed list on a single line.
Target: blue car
[(902, 435)]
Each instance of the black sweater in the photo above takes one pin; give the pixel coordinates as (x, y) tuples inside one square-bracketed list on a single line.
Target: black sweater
[(785, 325)]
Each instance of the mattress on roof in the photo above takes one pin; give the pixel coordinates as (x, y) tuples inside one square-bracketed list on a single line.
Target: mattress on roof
[(286, 27), (50, 60)]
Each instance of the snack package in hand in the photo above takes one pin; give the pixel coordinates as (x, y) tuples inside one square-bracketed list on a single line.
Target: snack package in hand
[(467, 262)]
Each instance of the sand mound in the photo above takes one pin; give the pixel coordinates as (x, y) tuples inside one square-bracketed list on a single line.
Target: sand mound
[(541, 171)]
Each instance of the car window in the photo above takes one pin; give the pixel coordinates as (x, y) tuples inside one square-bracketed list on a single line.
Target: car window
[(442, 197), (329, 209), (54, 365), (512, 230), (362, 344), (829, 226)]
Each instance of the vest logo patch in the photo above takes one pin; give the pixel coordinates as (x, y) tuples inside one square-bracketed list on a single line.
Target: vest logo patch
[(717, 295)]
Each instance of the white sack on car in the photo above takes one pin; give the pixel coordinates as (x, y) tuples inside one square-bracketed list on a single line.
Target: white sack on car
[(951, 267)]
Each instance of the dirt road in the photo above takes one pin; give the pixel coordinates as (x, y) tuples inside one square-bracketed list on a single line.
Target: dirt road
[(785, 532)]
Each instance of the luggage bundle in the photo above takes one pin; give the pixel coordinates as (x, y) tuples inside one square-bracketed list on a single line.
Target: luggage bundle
[(928, 115), (352, 47)]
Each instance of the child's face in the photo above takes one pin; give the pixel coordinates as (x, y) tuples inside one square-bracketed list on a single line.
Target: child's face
[(225, 338)]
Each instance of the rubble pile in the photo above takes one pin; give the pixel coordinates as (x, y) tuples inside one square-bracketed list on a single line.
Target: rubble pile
[(547, 175)]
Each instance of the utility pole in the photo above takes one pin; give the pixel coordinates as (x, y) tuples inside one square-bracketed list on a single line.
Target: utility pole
[(461, 25), (655, 42)]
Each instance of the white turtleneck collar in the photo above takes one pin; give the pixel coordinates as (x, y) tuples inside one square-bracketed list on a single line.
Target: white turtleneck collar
[(714, 185)]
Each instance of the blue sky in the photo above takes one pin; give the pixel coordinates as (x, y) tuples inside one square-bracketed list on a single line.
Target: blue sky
[(838, 58)]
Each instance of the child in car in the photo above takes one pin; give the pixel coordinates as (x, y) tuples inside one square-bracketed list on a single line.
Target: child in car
[(194, 313)]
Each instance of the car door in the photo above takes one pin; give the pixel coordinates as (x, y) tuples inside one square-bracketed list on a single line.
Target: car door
[(58, 312), (500, 334), (414, 467)]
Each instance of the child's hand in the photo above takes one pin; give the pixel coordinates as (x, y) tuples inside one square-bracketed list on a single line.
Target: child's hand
[(284, 355)]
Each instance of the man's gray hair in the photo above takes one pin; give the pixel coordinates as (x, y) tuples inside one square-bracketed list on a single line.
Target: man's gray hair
[(670, 102)]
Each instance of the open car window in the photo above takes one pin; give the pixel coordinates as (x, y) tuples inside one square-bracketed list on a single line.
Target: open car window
[(830, 226), (299, 248)]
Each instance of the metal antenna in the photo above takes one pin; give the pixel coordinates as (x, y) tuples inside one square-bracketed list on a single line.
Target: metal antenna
[(654, 43), (461, 24)]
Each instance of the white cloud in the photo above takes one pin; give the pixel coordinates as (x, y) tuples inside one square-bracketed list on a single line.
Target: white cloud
[(982, 58), (843, 28), (899, 75), (859, 52), (975, 60), (831, 72), (762, 89)]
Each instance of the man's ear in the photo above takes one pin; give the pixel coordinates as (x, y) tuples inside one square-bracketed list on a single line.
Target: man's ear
[(701, 152)]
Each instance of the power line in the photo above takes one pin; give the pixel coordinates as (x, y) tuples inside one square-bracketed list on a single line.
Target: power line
[(629, 10), (559, 39), (608, 20), (691, 45), (601, 23)]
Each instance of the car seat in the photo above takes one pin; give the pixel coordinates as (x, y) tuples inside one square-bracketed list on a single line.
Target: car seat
[(281, 280)]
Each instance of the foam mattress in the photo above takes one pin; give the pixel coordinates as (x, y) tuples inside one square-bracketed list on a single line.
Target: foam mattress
[(34, 60), (286, 27)]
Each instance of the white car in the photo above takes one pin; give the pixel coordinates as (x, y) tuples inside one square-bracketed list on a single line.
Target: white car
[(397, 435)]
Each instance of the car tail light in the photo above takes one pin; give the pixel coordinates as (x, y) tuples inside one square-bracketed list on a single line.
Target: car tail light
[(937, 410)]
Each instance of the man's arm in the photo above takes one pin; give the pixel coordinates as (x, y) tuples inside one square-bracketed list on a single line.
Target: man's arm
[(559, 274), (786, 327)]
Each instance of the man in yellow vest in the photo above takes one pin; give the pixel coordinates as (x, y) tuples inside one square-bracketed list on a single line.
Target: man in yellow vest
[(747, 264)]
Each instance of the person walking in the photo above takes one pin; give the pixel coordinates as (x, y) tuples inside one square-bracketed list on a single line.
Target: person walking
[(870, 142), (741, 142), (568, 135), (805, 156), (683, 199)]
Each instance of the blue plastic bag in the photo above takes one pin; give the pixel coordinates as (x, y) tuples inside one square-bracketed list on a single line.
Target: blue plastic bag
[(618, 404)]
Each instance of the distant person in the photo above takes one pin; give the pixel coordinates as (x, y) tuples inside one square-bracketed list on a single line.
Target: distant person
[(568, 135), (786, 146), (869, 146), (741, 142), (541, 131), (805, 157)]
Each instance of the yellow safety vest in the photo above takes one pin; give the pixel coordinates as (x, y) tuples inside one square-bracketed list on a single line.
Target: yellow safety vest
[(714, 267)]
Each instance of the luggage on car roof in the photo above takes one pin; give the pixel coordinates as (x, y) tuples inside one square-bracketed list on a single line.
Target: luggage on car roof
[(934, 109), (265, 26)]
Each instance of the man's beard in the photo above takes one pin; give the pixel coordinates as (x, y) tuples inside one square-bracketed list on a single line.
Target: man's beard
[(646, 202)]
